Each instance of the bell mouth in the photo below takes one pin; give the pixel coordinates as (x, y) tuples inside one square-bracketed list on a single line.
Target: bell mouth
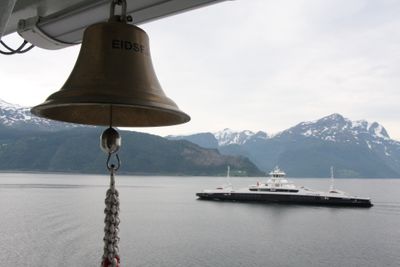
[(122, 115)]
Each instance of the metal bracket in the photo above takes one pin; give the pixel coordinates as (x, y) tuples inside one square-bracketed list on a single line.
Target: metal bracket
[(30, 31)]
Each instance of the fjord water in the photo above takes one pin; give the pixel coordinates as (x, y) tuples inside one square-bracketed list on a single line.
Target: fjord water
[(57, 220)]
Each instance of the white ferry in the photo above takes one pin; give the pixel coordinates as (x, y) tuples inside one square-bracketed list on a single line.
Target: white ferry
[(278, 189)]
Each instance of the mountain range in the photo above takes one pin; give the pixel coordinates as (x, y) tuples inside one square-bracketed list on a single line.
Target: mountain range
[(308, 149), (29, 143)]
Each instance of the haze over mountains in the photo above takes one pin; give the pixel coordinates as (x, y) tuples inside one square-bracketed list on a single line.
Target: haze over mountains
[(29, 143), (308, 149)]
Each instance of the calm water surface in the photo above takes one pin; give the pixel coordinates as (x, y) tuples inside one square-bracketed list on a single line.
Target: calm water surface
[(57, 220)]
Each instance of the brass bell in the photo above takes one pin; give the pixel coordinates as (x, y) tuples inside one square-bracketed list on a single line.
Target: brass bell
[(113, 80)]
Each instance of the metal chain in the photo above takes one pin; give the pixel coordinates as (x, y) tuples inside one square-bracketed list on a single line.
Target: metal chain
[(111, 250)]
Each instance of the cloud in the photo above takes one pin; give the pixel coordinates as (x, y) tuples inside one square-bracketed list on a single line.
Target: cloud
[(258, 65), (289, 61)]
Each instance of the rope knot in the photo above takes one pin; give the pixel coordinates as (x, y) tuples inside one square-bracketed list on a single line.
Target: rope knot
[(111, 256)]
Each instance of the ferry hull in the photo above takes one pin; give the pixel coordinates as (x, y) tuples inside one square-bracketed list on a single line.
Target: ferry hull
[(286, 199)]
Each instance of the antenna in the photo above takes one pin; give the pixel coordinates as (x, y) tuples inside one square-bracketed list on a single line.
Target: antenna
[(332, 180), (228, 175)]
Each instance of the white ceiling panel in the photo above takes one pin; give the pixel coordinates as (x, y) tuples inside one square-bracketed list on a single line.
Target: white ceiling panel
[(81, 13)]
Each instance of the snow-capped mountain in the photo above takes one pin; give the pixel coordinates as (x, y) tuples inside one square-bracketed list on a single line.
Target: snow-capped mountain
[(230, 137), (355, 148), (225, 137), (18, 117), (337, 128)]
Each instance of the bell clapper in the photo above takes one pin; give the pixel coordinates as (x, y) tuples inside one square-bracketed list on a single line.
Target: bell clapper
[(110, 142)]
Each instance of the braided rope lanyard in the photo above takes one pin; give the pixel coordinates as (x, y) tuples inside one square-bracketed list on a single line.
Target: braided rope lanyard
[(111, 250)]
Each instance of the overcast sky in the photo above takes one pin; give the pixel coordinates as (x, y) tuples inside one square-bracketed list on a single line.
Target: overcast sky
[(256, 65)]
